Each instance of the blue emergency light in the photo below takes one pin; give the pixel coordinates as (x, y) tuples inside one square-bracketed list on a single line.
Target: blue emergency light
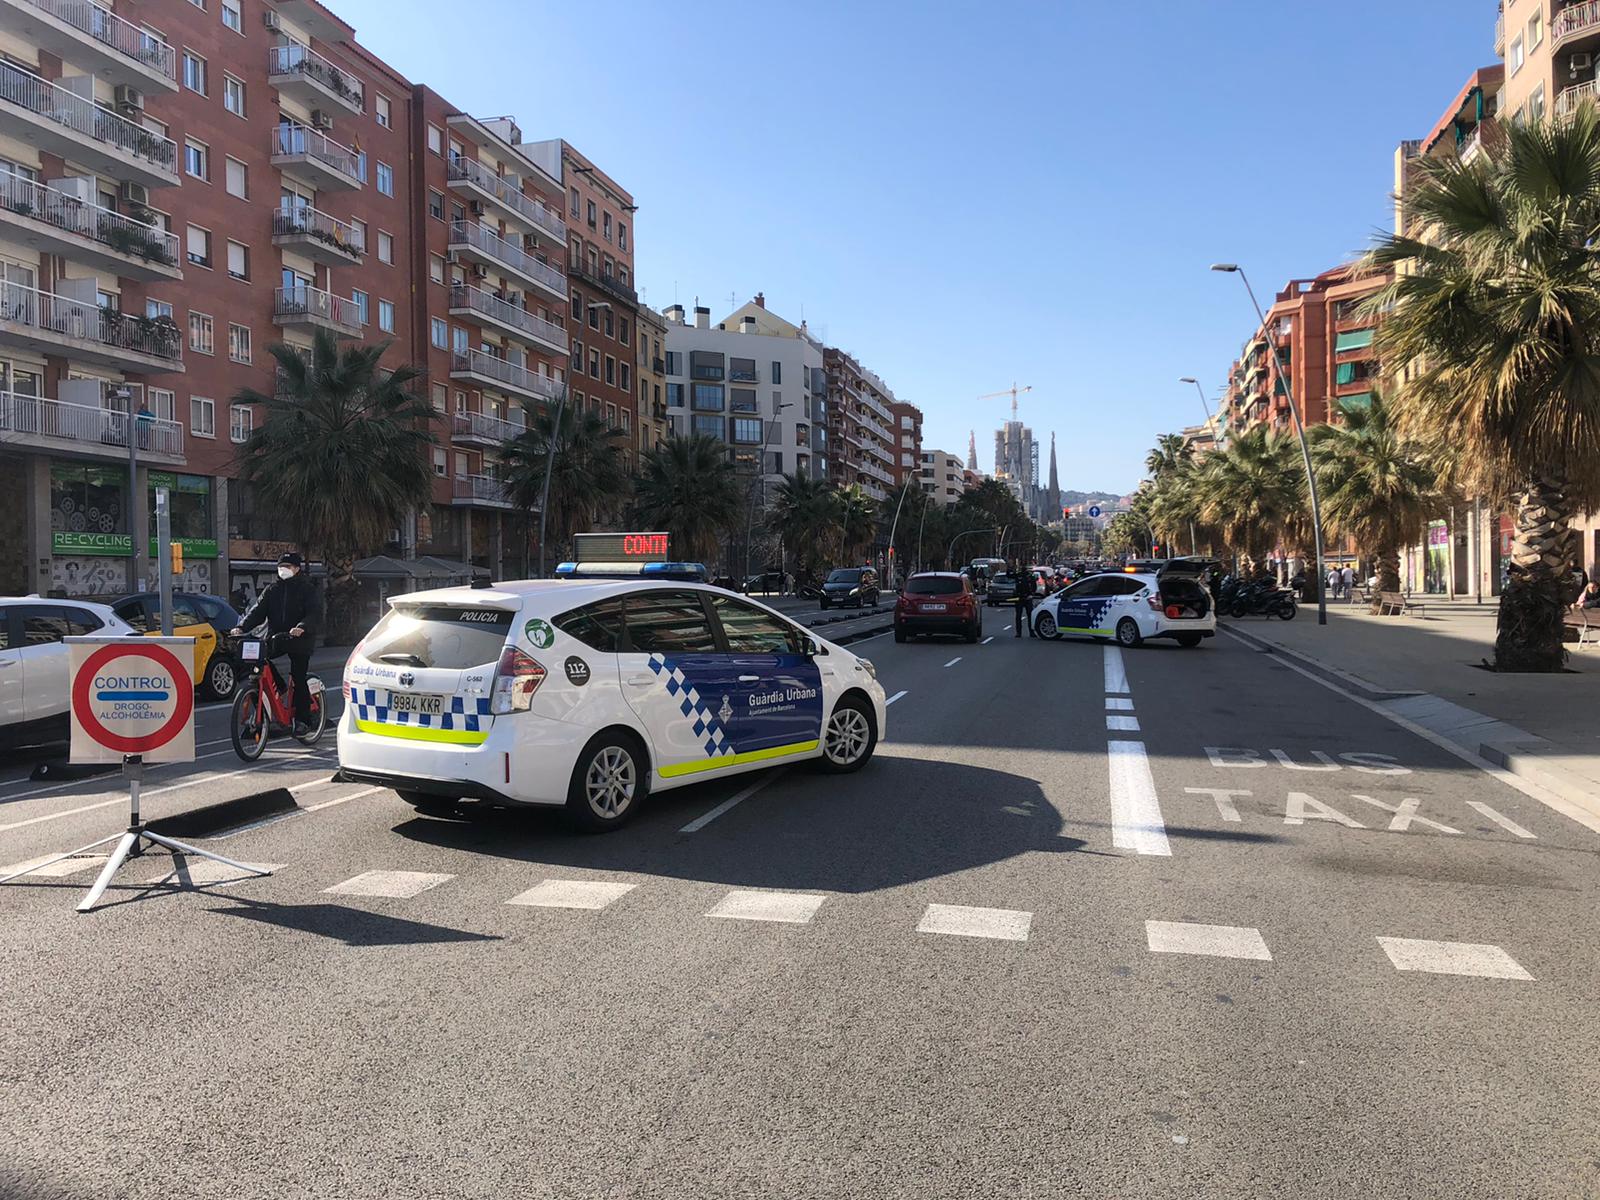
[(681, 572)]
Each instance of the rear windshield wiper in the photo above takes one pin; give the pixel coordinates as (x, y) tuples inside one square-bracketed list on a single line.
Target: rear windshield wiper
[(409, 660)]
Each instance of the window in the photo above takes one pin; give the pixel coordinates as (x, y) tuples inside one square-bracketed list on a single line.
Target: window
[(1536, 104), (674, 363), (622, 331), (611, 324), (435, 139), (747, 431), (622, 235), (359, 229), (711, 426), (438, 333), (575, 202), (436, 205), (751, 630), (231, 16), (777, 372), (202, 417), (164, 404), (667, 623), (359, 298), (742, 400), (594, 364), (606, 222), (155, 310), (436, 267), (241, 420), (441, 466), (674, 395), (239, 343), (201, 334), (238, 260), (386, 179), (441, 396), (233, 95), (194, 72), (627, 378), (380, 110), (589, 213), (611, 415), (708, 397), (598, 626), (386, 315), (237, 179), (611, 370), (199, 247), (1535, 29), (577, 304), (385, 247), (196, 159), (705, 365), (1515, 56)]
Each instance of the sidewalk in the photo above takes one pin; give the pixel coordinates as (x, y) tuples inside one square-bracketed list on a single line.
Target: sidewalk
[(1428, 670)]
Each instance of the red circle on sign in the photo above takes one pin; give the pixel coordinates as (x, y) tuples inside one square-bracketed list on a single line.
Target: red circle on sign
[(116, 741)]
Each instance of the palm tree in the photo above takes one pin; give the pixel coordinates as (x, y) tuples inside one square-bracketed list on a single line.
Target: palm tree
[(588, 475), (1375, 486), (688, 487), (342, 457), (1171, 454), (1493, 319), (803, 512), (1253, 492), (856, 516)]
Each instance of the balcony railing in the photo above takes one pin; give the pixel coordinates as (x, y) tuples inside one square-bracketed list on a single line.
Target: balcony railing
[(316, 304), (463, 295), (71, 111), (101, 225), (290, 137), (481, 488), (604, 280), (1569, 99), (1574, 21), (296, 59), (742, 375), (313, 222), (1500, 36), (86, 321), (106, 27), (509, 374), (1471, 145), (474, 172), (515, 258), (483, 425), (35, 416)]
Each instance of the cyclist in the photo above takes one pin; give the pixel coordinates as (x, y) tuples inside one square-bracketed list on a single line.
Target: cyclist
[(292, 605)]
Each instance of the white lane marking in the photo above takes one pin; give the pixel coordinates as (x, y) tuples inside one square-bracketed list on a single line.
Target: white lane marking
[(205, 871), (1007, 629), (790, 908), (700, 822), (1532, 790), (1501, 819), (953, 661), (1219, 941), (873, 638), (1116, 674), (59, 787), (294, 812), (392, 885), (1124, 724), (56, 870), (1224, 800), (1118, 704), (1405, 813), (589, 894), (1136, 822), (1452, 958), (311, 808), (893, 698), (1300, 808), (987, 640), (959, 920)]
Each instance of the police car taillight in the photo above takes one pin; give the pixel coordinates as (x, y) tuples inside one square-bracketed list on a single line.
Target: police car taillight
[(516, 678)]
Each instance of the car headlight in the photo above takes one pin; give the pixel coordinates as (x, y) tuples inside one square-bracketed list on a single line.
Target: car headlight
[(866, 665)]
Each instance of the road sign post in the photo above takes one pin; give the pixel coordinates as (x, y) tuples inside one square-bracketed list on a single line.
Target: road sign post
[(131, 701)]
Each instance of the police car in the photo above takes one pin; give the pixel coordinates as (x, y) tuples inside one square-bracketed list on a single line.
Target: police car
[(1132, 606), (593, 693)]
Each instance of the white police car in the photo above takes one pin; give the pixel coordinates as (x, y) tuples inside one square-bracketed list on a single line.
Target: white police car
[(591, 694), (1132, 606)]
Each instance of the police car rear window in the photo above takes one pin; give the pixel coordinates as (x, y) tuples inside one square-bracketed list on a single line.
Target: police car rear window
[(438, 635)]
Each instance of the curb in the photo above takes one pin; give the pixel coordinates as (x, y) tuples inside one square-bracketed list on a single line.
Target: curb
[(227, 814), (1572, 787), (1354, 683)]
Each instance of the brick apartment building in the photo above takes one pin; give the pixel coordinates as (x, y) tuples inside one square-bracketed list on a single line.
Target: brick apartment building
[(863, 437), (183, 182), (908, 441)]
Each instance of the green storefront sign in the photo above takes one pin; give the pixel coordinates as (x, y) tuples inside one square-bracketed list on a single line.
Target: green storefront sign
[(192, 547), (65, 542)]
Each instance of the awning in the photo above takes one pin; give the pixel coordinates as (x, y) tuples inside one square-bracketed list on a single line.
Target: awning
[(1355, 339), (1359, 400)]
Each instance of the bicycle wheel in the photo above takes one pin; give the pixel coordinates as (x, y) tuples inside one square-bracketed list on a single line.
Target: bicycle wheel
[(319, 709), (248, 724)]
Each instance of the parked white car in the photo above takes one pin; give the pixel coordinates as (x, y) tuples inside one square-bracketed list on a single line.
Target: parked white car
[(591, 694), (33, 662), (1131, 606)]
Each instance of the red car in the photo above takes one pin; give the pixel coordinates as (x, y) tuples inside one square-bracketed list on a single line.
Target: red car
[(938, 602)]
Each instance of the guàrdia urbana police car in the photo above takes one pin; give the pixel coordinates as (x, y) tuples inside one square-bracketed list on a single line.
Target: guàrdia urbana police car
[(590, 694)]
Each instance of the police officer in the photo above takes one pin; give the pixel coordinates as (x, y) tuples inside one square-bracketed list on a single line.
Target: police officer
[(1024, 601), (292, 605)]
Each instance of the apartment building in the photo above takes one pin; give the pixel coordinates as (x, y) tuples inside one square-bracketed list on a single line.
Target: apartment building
[(863, 431), (650, 374), (908, 434), (943, 477), (755, 382), (1550, 50)]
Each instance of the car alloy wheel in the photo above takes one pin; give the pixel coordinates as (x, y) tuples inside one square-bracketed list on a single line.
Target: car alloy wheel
[(221, 679), (847, 736), (1128, 632), (610, 782), (1047, 626)]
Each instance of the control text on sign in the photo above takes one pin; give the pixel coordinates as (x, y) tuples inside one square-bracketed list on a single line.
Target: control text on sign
[(620, 547)]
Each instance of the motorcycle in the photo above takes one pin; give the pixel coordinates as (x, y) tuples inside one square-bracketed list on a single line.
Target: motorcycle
[(1265, 599)]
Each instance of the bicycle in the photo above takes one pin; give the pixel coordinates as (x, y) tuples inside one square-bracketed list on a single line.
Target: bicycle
[(264, 705)]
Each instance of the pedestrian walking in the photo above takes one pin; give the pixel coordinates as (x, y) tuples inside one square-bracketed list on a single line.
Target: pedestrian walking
[(1347, 581), (1333, 583), (1024, 601)]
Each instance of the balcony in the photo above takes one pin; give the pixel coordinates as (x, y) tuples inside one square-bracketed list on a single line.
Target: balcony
[(85, 429), (1570, 98), (472, 242), (57, 222), (471, 178), (80, 329), (605, 281), (482, 491), (1575, 26), (478, 366), (510, 319), (300, 72), (320, 160), (1500, 36), (314, 19), (80, 31), (481, 429), (1471, 145), (62, 122), (743, 375), (317, 235), (309, 307)]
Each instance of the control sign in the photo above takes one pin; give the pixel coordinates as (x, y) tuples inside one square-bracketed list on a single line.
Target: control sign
[(1094, 510), (131, 696), (620, 547)]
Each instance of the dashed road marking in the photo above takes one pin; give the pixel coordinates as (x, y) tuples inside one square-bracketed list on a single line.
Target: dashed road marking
[(205, 871), (1118, 704), (1116, 674), (1136, 822), (987, 640), (700, 822), (1218, 941), (953, 661), (56, 870), (960, 920), (1501, 819), (894, 697), (392, 885), (789, 908), (1452, 958), (573, 893), (1123, 723)]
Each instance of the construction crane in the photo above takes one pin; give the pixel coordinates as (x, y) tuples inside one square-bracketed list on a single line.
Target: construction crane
[(1013, 391)]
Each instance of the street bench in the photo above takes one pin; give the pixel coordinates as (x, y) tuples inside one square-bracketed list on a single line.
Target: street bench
[(1394, 604), (1587, 622), (1360, 593)]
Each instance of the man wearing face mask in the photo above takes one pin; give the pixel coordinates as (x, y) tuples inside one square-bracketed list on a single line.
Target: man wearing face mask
[(292, 605)]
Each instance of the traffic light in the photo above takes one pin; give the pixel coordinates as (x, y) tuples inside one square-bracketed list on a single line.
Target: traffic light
[(177, 557)]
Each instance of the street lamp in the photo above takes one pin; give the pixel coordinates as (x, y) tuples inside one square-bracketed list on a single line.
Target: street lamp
[(761, 476), (1300, 431), (1205, 405), (550, 457)]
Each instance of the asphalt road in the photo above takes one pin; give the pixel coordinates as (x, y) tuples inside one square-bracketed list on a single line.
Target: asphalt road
[(1024, 954)]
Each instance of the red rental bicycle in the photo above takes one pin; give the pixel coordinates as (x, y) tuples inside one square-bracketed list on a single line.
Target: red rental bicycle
[(264, 706)]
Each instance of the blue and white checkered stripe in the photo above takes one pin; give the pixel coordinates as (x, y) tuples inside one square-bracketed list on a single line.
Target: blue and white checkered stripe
[(465, 713), (693, 707)]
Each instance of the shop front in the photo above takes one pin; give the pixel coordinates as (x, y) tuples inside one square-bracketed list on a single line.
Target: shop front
[(191, 514), (91, 544)]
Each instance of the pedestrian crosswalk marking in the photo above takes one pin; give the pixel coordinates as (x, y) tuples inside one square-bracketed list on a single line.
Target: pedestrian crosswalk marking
[(56, 870), (588, 894), (1118, 704), (205, 871), (1218, 941), (392, 885), (791, 908), (960, 920), (1452, 958)]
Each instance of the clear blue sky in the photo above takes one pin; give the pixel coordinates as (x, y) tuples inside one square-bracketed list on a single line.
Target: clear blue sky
[(967, 195)]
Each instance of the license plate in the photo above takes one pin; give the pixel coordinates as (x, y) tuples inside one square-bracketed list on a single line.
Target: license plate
[(934, 607), (424, 706)]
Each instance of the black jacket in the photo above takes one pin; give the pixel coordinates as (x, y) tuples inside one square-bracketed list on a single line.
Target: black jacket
[(1027, 588), (285, 604)]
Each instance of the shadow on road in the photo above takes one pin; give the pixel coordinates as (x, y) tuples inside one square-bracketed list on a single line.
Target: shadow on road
[(352, 926)]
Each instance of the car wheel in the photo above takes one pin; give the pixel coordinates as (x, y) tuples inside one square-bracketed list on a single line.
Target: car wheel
[(221, 679), (848, 738), (428, 804), (899, 634), (972, 634), (824, 603), (1128, 632), (1240, 608), (608, 784), (1190, 640), (1046, 626)]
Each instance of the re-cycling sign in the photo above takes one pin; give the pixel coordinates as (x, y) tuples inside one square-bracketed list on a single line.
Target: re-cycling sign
[(131, 696)]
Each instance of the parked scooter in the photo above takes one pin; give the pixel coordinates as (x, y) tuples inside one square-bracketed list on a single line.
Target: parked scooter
[(1263, 599)]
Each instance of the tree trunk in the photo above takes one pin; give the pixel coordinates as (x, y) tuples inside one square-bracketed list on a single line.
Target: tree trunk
[(341, 603), (1529, 627), (1387, 560)]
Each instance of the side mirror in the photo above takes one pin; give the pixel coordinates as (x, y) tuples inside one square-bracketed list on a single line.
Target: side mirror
[(814, 648)]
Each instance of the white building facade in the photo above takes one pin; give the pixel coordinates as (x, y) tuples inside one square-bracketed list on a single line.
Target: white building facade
[(944, 477)]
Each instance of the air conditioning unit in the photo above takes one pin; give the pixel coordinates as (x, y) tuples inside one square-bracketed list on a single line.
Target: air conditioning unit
[(81, 188), (1580, 62), (271, 20), (321, 120), (128, 99), (135, 193), (475, 207), (479, 271)]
